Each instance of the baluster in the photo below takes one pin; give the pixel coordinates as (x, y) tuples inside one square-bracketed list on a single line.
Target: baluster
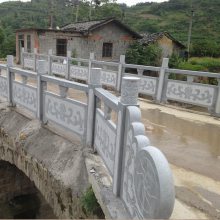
[(10, 78), (120, 72), (160, 88), (41, 86), (107, 112), (63, 91), (50, 53), (140, 72)]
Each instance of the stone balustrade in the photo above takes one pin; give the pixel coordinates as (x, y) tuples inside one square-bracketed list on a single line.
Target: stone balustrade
[(110, 125), (160, 87)]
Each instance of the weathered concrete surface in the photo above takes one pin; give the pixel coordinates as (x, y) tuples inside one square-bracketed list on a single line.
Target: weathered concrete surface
[(54, 164)]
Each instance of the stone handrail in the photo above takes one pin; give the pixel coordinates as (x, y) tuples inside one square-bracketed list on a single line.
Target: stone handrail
[(161, 88), (140, 173)]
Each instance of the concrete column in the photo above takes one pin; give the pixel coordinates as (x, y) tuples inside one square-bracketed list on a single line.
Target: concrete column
[(129, 97), (160, 88), (41, 86), (10, 78), (120, 72), (94, 82), (217, 107)]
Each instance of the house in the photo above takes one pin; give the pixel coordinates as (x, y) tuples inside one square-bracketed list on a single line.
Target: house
[(168, 44), (107, 38)]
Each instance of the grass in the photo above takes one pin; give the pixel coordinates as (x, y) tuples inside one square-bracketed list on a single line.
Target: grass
[(208, 64), (90, 204)]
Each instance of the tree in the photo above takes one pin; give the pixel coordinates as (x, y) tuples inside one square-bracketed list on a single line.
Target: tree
[(2, 36), (144, 54)]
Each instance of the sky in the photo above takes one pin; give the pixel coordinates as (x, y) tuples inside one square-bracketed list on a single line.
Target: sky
[(128, 2)]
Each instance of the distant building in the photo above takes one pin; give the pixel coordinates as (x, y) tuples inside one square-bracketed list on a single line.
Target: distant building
[(168, 44), (107, 38)]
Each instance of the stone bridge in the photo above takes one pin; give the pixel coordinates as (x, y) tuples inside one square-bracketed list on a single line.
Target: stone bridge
[(52, 137), (59, 137)]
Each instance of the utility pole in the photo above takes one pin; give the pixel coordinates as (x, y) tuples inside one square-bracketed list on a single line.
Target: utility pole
[(190, 30)]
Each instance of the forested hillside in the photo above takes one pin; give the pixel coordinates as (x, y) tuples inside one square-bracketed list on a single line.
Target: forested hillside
[(172, 16)]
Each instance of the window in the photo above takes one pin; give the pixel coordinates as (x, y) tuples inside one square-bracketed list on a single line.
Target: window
[(29, 43), (21, 40), (107, 50), (62, 47)]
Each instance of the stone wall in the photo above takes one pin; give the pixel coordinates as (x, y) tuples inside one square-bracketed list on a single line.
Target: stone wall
[(55, 165)]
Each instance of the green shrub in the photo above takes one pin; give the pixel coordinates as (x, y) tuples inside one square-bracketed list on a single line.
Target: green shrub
[(144, 54), (90, 204)]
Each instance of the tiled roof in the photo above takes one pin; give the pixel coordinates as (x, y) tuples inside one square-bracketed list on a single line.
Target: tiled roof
[(87, 26), (152, 38), (82, 26)]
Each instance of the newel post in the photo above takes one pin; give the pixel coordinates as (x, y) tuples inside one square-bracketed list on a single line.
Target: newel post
[(50, 53), (129, 97), (35, 59), (10, 78), (68, 62), (120, 72), (217, 107), (91, 58), (22, 57), (161, 83), (41, 86), (94, 82)]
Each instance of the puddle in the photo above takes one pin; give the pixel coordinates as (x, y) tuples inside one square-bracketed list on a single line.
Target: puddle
[(186, 143)]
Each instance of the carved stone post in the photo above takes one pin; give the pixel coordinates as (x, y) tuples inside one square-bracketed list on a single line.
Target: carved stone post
[(190, 79), (217, 107), (50, 53), (10, 78), (120, 72), (94, 82), (67, 76), (22, 57), (129, 97), (41, 86), (160, 88), (35, 59), (91, 58)]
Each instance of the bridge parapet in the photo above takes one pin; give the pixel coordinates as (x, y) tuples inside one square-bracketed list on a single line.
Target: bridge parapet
[(166, 85), (112, 126)]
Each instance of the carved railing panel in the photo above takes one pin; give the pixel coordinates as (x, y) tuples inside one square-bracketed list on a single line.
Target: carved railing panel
[(68, 113), (3, 86), (78, 72), (25, 96), (59, 69), (147, 184), (29, 63), (192, 93), (109, 78), (105, 137)]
